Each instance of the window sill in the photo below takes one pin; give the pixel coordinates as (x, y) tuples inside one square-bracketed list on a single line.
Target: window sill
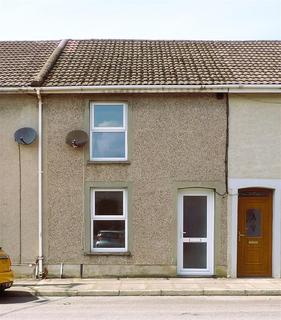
[(91, 162), (128, 253)]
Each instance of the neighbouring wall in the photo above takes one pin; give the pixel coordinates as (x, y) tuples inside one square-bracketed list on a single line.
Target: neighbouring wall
[(254, 161), (175, 141), (255, 136), (18, 180)]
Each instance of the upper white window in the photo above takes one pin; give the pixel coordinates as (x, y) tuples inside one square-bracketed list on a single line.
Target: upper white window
[(108, 132)]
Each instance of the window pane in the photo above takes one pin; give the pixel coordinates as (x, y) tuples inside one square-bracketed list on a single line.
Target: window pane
[(109, 234), (194, 255), (108, 144), (108, 116), (109, 202), (195, 216), (253, 223)]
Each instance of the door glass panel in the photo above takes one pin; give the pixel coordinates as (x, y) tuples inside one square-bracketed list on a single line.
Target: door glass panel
[(253, 223), (195, 216), (194, 255)]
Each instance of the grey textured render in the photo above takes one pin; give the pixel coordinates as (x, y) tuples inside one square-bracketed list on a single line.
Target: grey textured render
[(176, 141), (166, 152)]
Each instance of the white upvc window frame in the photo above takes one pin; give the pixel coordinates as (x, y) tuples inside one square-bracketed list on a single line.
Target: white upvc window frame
[(94, 129), (209, 240), (123, 217)]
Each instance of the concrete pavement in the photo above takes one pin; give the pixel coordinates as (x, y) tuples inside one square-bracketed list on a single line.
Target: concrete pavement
[(148, 287)]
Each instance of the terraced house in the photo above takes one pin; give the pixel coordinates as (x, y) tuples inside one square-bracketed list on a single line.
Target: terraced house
[(141, 158)]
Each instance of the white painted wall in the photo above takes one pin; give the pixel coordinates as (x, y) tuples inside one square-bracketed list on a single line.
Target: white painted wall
[(254, 161), (18, 202), (255, 136)]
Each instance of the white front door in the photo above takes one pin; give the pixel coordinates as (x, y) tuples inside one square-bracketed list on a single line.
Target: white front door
[(196, 232)]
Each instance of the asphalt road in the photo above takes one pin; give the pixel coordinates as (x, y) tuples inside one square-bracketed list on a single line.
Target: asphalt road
[(140, 308)]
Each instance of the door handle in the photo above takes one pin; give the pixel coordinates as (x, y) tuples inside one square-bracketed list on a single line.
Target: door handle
[(240, 235)]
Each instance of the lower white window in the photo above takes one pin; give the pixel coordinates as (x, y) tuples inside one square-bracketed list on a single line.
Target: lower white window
[(109, 220), (196, 232)]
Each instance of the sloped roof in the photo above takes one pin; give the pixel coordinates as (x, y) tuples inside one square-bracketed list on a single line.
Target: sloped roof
[(133, 62), (21, 61), (141, 62)]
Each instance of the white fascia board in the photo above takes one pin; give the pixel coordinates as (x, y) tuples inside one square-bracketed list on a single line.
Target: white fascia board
[(146, 88), (163, 88), (17, 90), (132, 89)]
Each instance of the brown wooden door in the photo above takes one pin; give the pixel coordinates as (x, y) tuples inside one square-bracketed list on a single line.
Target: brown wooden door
[(254, 233)]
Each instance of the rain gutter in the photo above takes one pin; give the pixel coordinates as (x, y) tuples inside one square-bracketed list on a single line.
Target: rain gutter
[(145, 88)]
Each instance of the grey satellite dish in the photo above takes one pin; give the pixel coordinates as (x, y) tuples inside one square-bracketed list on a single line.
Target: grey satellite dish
[(77, 138), (25, 135)]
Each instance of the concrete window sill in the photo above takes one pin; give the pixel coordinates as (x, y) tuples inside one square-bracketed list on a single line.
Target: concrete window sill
[(128, 253), (109, 162)]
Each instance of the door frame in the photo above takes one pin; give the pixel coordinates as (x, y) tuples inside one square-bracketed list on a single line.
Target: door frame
[(210, 232), (234, 186), (266, 201)]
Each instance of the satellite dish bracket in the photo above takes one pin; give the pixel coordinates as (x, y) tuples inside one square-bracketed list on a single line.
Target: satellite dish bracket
[(76, 138), (25, 135)]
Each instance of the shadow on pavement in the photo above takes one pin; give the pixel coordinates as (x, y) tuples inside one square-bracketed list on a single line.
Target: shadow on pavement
[(9, 297)]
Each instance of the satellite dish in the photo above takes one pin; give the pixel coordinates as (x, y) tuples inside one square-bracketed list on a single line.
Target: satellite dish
[(25, 135), (77, 138)]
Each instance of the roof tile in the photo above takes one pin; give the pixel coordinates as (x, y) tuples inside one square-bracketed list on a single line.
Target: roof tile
[(21, 61), (142, 62)]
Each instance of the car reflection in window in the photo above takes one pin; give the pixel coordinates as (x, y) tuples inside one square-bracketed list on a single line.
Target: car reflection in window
[(110, 239)]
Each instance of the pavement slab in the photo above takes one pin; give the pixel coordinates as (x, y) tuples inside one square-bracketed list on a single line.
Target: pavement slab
[(148, 287)]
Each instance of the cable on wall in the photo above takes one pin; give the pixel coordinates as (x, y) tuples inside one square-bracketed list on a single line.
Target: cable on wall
[(20, 205)]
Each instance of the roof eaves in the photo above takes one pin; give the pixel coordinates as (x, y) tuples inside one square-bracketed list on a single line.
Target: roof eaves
[(230, 88), (163, 88)]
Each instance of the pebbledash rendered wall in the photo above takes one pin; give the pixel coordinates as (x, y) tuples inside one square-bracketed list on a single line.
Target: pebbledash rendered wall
[(175, 141), (18, 182)]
